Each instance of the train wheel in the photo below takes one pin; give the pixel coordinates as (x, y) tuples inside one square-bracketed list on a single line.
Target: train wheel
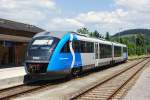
[(76, 72)]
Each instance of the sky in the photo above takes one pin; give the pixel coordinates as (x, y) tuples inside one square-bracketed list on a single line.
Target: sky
[(69, 15)]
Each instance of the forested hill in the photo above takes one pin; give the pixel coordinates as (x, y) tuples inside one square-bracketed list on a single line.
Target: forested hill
[(146, 32), (137, 40)]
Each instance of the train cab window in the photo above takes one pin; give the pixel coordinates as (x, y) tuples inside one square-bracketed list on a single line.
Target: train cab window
[(65, 48), (44, 43), (117, 51)]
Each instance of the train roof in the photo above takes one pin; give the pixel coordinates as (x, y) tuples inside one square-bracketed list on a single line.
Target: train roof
[(60, 34), (94, 40), (119, 44)]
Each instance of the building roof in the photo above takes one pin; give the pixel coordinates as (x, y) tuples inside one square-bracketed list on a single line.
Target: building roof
[(7, 24), (14, 38)]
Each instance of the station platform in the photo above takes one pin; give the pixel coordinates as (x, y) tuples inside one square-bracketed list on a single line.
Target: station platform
[(11, 76), (141, 90)]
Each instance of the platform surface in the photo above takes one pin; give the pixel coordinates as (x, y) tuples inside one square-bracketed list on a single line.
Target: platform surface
[(11, 76), (141, 90), (11, 72)]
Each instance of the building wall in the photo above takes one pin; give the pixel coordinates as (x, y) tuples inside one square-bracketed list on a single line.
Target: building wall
[(20, 51), (12, 55), (4, 55)]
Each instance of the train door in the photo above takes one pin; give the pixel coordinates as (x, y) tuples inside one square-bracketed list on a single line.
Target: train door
[(96, 54)]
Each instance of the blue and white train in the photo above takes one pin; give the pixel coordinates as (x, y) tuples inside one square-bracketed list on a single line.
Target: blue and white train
[(61, 53)]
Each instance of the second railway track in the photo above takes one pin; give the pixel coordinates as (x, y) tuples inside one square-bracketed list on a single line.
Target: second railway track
[(12, 92), (109, 88)]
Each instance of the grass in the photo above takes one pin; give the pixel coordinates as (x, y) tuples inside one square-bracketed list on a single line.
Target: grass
[(137, 57)]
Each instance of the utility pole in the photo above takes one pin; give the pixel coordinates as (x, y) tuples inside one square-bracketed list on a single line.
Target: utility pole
[(135, 44), (144, 45), (119, 34)]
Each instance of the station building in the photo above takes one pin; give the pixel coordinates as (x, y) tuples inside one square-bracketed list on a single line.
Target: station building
[(14, 37)]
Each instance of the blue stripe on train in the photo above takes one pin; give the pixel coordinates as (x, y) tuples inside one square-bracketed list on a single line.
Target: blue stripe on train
[(62, 61)]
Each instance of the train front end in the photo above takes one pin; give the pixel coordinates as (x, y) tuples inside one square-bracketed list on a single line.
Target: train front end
[(39, 52)]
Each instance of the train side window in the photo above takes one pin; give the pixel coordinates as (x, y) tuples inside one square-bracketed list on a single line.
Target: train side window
[(100, 51), (124, 49), (91, 47), (65, 48), (83, 47), (87, 47), (117, 51), (105, 51)]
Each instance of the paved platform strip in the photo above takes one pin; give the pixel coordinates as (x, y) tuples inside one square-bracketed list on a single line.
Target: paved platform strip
[(11, 77), (140, 90)]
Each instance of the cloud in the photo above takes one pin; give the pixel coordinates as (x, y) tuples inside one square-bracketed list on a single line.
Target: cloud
[(42, 13), (28, 11), (93, 20), (138, 12), (134, 5), (47, 15), (64, 24), (102, 17)]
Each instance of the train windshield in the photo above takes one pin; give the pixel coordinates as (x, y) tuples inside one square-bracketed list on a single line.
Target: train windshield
[(41, 47), (43, 43)]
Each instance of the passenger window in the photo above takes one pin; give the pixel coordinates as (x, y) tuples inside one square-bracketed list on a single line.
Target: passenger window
[(117, 51), (105, 51), (83, 46), (124, 49)]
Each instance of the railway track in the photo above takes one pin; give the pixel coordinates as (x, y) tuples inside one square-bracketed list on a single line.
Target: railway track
[(17, 91), (110, 87), (12, 92)]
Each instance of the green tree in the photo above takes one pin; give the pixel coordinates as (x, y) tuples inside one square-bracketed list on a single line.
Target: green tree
[(139, 44), (140, 39), (107, 37), (96, 34), (83, 30)]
